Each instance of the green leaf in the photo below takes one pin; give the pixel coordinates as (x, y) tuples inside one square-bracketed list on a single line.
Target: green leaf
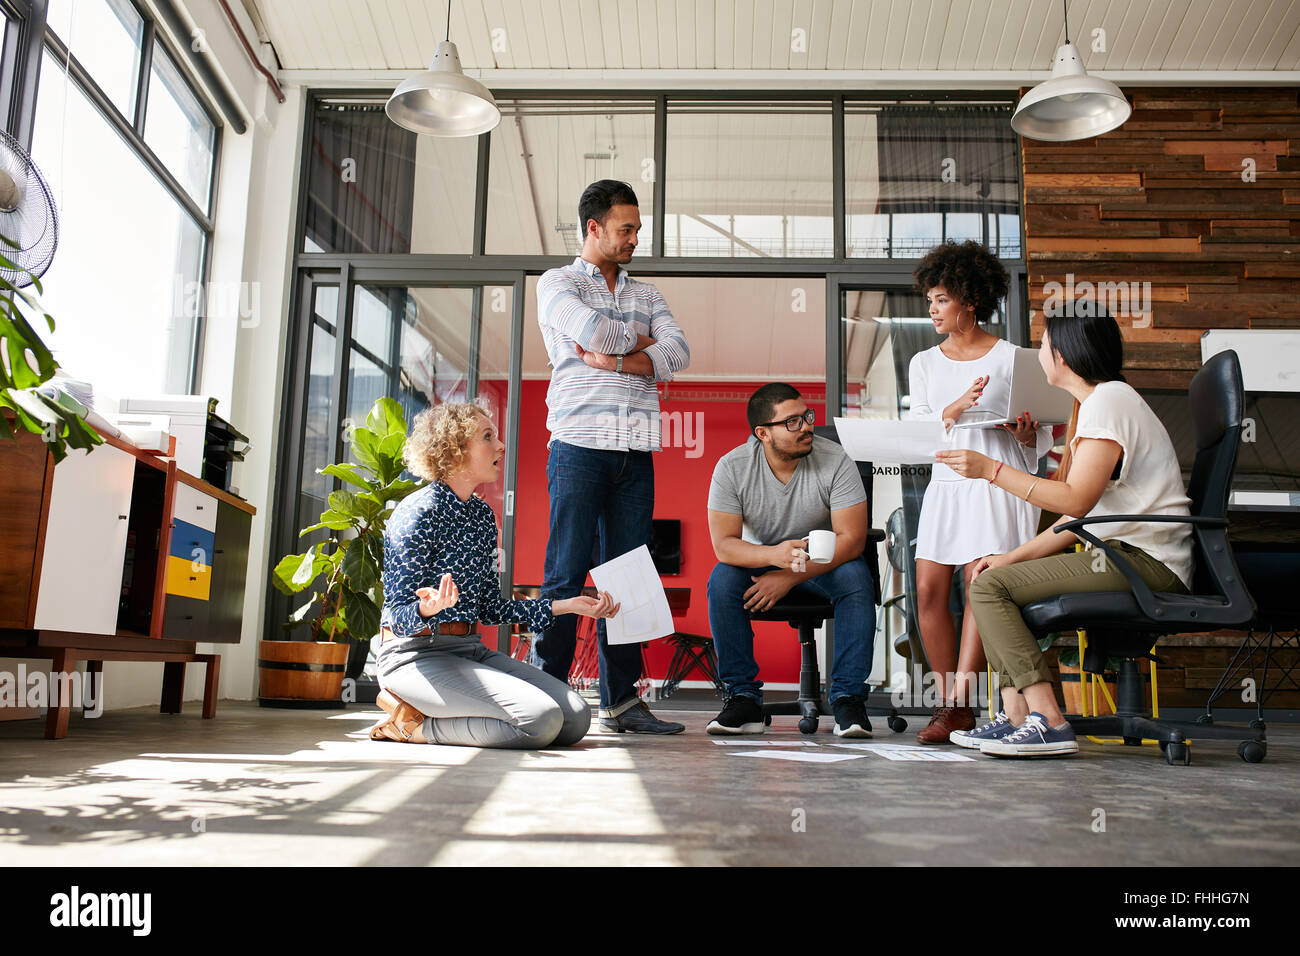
[(350, 473), (366, 506), (398, 489), (343, 502), (358, 566), (329, 519), (387, 418), (362, 615), (286, 574), (365, 449)]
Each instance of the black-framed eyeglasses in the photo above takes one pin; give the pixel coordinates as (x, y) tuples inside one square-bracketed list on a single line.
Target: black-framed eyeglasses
[(794, 423)]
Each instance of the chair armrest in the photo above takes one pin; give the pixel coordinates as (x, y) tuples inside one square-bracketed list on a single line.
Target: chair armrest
[(1203, 521), (875, 534), (1141, 590)]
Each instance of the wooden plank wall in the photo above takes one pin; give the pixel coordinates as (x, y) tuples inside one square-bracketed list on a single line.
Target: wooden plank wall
[(1167, 200)]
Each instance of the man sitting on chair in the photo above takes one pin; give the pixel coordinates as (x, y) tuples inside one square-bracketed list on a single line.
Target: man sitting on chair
[(766, 496)]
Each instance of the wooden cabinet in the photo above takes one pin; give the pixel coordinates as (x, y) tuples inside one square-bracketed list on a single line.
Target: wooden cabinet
[(85, 542), (117, 555)]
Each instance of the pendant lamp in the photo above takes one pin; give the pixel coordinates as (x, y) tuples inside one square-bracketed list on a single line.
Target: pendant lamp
[(1071, 104), (443, 101)]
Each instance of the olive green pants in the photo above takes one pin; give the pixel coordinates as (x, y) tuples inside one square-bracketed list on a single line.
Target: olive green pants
[(997, 596)]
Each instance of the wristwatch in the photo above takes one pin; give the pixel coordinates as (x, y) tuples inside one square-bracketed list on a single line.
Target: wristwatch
[(618, 366)]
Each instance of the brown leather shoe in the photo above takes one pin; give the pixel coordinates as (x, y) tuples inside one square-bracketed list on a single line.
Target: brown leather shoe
[(402, 722), (944, 722)]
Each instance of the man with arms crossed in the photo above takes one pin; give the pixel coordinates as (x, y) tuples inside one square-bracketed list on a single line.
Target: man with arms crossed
[(610, 339), (766, 496)]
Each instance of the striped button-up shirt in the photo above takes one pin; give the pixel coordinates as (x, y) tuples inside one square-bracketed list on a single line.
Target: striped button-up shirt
[(591, 407)]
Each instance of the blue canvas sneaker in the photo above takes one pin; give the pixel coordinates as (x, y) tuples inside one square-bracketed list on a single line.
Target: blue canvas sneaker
[(995, 729), (1033, 738)]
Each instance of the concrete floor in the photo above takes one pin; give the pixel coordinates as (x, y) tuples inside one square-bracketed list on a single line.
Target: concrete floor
[(259, 786)]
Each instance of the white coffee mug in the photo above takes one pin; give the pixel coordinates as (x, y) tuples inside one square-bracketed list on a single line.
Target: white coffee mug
[(821, 546)]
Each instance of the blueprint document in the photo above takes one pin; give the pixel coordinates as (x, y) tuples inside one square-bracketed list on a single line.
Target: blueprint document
[(892, 443), (634, 584)]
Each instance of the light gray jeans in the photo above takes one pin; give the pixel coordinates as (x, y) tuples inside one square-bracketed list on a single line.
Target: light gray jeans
[(476, 697)]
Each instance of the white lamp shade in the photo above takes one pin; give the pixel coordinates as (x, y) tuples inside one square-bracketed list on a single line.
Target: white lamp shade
[(443, 101), (1071, 105)]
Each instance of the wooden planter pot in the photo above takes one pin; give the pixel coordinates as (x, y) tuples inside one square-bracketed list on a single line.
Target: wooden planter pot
[(301, 673), (1073, 694)]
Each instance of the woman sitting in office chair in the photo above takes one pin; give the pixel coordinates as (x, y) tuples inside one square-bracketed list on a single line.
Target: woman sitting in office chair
[(1123, 462), (440, 684), (961, 521)]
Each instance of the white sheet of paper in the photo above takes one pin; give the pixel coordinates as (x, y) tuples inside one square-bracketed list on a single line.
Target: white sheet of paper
[(805, 756), (759, 743), (634, 584), (892, 443), (936, 755)]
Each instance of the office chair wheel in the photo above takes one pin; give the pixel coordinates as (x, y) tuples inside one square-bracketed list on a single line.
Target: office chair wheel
[(767, 720), (1256, 724), (1252, 751), (1178, 753), (807, 725), (1164, 745), (1205, 719), (897, 724), (1132, 741)]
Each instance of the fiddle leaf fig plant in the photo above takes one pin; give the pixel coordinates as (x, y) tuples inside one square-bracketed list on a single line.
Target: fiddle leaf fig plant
[(347, 567), (26, 365)]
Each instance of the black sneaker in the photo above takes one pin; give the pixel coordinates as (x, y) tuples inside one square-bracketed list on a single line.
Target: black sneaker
[(851, 718), (740, 715)]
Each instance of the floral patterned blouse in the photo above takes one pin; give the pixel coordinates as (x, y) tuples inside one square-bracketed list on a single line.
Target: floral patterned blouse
[(432, 533)]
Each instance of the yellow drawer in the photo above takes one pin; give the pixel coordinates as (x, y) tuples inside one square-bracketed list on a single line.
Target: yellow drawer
[(184, 580)]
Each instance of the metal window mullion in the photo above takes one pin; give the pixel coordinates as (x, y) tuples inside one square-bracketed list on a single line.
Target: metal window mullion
[(475, 341), (839, 206), (343, 346), (24, 84), (142, 79), (514, 397), (660, 203), (482, 171)]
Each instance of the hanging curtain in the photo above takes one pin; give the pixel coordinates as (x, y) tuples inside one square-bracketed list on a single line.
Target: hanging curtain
[(360, 181)]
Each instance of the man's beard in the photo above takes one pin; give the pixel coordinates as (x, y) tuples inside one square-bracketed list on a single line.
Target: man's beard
[(799, 451)]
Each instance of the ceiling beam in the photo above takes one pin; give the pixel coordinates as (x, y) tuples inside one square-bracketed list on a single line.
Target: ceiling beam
[(802, 80)]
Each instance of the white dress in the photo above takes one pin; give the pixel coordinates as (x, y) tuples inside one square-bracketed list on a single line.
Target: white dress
[(966, 518)]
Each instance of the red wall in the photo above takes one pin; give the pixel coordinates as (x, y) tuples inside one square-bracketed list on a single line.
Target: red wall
[(681, 492)]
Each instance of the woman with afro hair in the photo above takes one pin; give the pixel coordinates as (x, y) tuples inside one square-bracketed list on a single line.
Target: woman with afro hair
[(962, 521)]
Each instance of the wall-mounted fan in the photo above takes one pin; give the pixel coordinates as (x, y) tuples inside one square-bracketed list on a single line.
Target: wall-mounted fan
[(28, 216)]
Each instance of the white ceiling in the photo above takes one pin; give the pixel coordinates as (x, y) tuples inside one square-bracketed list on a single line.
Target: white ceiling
[(1005, 37)]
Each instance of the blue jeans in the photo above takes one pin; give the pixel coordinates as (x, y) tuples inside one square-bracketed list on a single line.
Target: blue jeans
[(601, 507), (848, 588)]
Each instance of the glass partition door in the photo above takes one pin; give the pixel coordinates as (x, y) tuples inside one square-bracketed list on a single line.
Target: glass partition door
[(416, 336)]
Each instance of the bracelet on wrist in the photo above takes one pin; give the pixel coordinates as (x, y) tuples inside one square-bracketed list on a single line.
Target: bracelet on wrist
[(994, 478)]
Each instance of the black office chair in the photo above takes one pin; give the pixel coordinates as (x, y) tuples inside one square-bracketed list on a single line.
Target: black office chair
[(807, 612), (1125, 624)]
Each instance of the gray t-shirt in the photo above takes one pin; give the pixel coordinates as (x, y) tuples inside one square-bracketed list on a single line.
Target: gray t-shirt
[(743, 484)]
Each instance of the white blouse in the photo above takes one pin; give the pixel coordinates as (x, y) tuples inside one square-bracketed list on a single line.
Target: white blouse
[(963, 519), (1150, 480)]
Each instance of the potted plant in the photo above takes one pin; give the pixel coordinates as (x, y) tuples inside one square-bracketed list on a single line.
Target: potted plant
[(1074, 688), (346, 569), (27, 366)]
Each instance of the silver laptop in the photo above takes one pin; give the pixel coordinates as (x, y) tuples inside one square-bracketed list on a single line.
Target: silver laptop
[(1030, 390)]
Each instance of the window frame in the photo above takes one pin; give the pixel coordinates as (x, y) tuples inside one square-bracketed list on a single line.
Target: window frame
[(21, 60)]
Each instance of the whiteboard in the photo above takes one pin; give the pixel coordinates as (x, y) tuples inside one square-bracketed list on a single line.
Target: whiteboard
[(1270, 358)]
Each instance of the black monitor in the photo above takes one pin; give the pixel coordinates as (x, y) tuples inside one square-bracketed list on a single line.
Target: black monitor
[(666, 545), (1269, 456)]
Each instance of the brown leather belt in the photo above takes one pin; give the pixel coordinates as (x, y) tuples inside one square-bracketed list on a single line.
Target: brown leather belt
[(459, 628)]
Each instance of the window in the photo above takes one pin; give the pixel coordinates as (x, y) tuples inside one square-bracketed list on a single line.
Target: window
[(748, 179), (917, 174), (545, 153), (133, 184)]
